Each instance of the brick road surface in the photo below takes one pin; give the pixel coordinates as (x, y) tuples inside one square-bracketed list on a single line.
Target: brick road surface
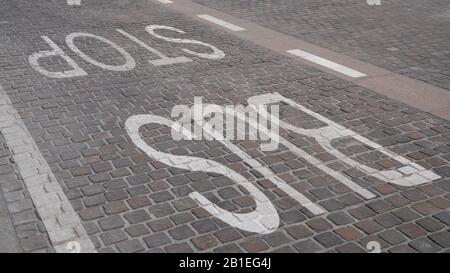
[(128, 202), (408, 37)]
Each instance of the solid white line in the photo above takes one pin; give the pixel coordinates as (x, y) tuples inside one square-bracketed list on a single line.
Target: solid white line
[(74, 2), (165, 1), (221, 23), (326, 63), (61, 221)]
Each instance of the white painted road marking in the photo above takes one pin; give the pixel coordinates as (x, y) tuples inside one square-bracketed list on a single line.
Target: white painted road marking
[(129, 61), (326, 63), (60, 220), (129, 64), (74, 2), (164, 60), (221, 22), (165, 1), (264, 218), (411, 174)]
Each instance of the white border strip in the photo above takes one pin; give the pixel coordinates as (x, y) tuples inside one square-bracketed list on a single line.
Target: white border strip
[(61, 221), (74, 2), (165, 1), (326, 63), (220, 22)]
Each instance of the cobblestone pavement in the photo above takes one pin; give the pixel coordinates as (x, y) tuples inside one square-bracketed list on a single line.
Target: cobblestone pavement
[(407, 37), (129, 202), (8, 239)]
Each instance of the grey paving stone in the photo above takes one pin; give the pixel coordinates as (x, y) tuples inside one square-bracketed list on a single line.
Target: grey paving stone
[(392, 236), (425, 245), (350, 248), (254, 245), (157, 239), (116, 195), (9, 242), (387, 220), (412, 230), (182, 218), (115, 207), (113, 237), (307, 246), (181, 232), (284, 249), (443, 216), (131, 246), (91, 213), (430, 224), (135, 217), (277, 238), (204, 226), (137, 230), (33, 243), (161, 210), (369, 226), (184, 204), (402, 249), (362, 212), (299, 231), (318, 224), (292, 216), (328, 239), (406, 214), (91, 228), (139, 202), (160, 224), (161, 196), (380, 206), (111, 222), (441, 238), (204, 242), (228, 248), (340, 218), (227, 235), (179, 248)]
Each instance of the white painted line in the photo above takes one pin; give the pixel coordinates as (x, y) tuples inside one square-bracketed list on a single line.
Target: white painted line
[(221, 23), (61, 221), (165, 1), (74, 2), (326, 63)]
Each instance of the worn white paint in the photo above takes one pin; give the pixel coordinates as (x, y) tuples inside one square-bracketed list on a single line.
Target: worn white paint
[(164, 60), (61, 221), (221, 23), (129, 60), (326, 63), (411, 174), (264, 219), (266, 172), (56, 51), (74, 2), (217, 54)]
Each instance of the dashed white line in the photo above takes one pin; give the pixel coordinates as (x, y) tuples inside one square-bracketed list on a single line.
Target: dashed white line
[(74, 2), (165, 1), (326, 63), (221, 22), (61, 221)]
